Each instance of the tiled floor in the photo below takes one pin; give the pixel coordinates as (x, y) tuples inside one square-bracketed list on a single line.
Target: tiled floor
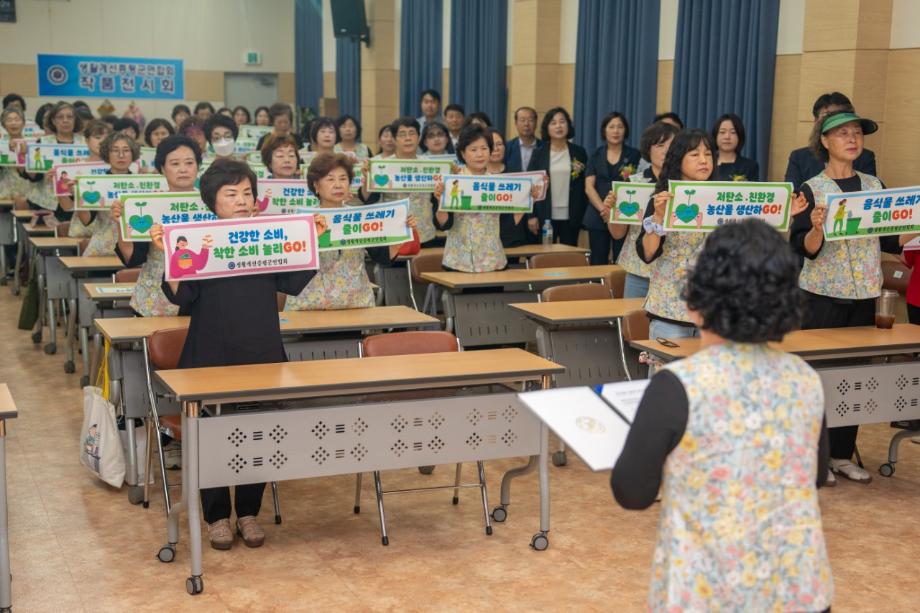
[(77, 545)]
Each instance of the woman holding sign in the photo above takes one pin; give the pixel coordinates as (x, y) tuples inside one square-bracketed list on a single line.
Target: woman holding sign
[(234, 320), (281, 157), (841, 278), (177, 159), (734, 438), (96, 131), (13, 183), (63, 126), (341, 281), (654, 144), (513, 233)]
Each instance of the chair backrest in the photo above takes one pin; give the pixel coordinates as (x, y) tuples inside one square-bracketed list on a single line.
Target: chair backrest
[(407, 343), (896, 276), (127, 275), (62, 229), (165, 346), (579, 291), (554, 260), (424, 262), (635, 326), (616, 281)]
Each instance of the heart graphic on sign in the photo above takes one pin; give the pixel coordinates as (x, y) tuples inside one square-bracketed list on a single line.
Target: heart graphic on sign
[(628, 209), (381, 180), (687, 213), (91, 197), (141, 223)]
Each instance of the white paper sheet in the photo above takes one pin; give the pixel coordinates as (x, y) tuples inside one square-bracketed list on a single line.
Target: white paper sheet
[(588, 424)]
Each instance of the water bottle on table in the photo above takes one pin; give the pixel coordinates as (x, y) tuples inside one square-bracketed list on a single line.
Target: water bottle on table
[(547, 232)]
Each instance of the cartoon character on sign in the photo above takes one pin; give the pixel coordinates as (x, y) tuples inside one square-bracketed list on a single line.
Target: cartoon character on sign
[(323, 232), (455, 194), (39, 161), (61, 185), (184, 261), (840, 217), (262, 203)]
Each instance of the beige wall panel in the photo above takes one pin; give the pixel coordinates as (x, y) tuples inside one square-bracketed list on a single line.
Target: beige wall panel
[(204, 85), (825, 72), (329, 84), (871, 78), (524, 16), (665, 80), (830, 25), (567, 86), (19, 78), (286, 87), (380, 87), (785, 101), (874, 24), (900, 155)]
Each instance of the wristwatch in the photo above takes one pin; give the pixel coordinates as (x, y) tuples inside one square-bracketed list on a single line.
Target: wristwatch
[(649, 225)]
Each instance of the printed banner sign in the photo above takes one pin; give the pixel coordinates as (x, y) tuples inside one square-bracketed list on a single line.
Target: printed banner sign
[(357, 227), (247, 145), (259, 168), (67, 172), (284, 196), (31, 129), (630, 201), (81, 76), (238, 247), (537, 177), (703, 206), (93, 193), (388, 175), (253, 131), (872, 213), (42, 157), (145, 162), (486, 194), (141, 211), (13, 153)]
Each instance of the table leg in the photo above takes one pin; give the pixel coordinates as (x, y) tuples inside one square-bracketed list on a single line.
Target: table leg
[(51, 347), (96, 361), (3, 264), (194, 584), (71, 334), (84, 355), (39, 324), (20, 254), (623, 348), (6, 598)]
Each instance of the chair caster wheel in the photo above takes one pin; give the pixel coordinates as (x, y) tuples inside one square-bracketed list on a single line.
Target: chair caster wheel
[(456, 500), (194, 585), (277, 519), (426, 470), (886, 469), (539, 541), (36, 337), (385, 540), (559, 458), (357, 510), (488, 530), (135, 494), (166, 554), (50, 348), (146, 504), (70, 367), (499, 514), (84, 380)]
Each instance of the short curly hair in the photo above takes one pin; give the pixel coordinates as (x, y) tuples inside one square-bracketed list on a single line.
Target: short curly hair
[(324, 163), (105, 147), (744, 284)]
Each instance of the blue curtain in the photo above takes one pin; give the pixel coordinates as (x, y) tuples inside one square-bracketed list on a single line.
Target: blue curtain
[(308, 52), (616, 66), (724, 63), (420, 61), (479, 31), (348, 76)]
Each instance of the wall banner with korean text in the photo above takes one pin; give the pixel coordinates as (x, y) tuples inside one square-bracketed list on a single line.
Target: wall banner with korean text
[(630, 201), (141, 211), (357, 227), (239, 247), (42, 157), (703, 206), (284, 196), (389, 175), (64, 173), (82, 76), (96, 192), (486, 194), (872, 213)]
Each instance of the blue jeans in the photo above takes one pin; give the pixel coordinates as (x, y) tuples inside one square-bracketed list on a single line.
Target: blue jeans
[(663, 329), (635, 286)]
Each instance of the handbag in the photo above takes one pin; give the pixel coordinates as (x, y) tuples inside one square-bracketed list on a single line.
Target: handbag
[(100, 445)]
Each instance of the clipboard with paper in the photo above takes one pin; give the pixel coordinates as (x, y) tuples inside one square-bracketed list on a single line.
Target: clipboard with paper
[(593, 422)]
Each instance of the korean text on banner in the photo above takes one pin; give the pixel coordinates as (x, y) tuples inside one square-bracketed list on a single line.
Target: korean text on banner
[(872, 213), (141, 211), (357, 227), (703, 206), (486, 194)]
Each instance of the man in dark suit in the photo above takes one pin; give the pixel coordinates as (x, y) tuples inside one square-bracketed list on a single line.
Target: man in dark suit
[(803, 165), (519, 151)]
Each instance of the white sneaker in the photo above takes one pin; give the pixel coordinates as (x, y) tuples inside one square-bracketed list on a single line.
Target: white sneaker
[(172, 454), (831, 479), (850, 471)]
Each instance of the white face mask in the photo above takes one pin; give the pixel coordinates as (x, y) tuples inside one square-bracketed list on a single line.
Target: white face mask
[(224, 147)]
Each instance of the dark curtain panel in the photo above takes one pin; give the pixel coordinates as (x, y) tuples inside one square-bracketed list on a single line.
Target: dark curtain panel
[(348, 76), (420, 61), (479, 31), (616, 66), (308, 52), (724, 63)]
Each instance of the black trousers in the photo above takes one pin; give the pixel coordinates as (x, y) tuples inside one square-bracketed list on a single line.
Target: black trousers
[(215, 501), (565, 231), (913, 314), (825, 312), (603, 247)]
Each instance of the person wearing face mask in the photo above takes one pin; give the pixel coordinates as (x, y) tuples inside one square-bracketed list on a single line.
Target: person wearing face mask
[(349, 133), (63, 126), (221, 132), (233, 320), (281, 119), (653, 146), (280, 156), (728, 133), (564, 162), (612, 161), (96, 131), (177, 159), (341, 281)]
